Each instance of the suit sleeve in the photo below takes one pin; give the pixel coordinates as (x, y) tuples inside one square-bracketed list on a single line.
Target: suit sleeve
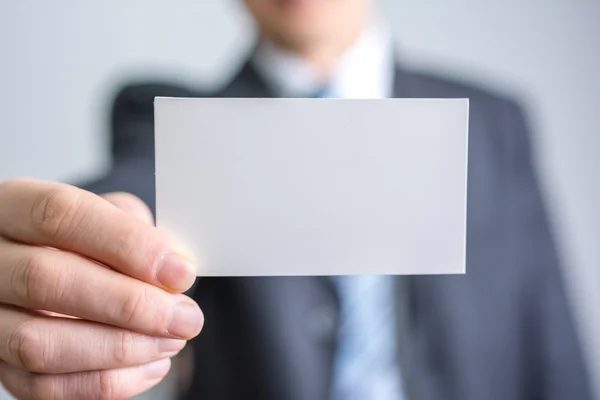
[(132, 140), (557, 369)]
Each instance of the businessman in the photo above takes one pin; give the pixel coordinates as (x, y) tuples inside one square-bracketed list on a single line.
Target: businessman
[(502, 331)]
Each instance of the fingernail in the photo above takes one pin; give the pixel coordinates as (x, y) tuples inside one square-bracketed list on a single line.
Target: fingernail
[(156, 369), (167, 346), (187, 320), (175, 272)]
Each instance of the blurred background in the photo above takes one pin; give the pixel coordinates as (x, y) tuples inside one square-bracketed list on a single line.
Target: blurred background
[(61, 62)]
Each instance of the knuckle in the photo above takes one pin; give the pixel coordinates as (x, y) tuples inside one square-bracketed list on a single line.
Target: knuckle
[(134, 246), (138, 243), (26, 346), (125, 347), (134, 306), (107, 387), (145, 309), (55, 211), (31, 280), (39, 279)]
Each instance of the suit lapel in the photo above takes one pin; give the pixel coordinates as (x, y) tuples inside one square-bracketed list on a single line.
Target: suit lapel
[(247, 83), (294, 322)]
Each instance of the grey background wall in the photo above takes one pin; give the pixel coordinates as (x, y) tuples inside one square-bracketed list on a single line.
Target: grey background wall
[(61, 60)]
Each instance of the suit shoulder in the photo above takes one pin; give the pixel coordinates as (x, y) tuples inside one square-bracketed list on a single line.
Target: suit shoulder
[(140, 95), (498, 127), (493, 100)]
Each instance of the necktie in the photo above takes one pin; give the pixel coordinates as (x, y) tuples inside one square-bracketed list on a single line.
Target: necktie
[(366, 365)]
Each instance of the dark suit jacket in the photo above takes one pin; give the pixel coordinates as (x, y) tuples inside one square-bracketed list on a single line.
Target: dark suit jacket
[(502, 331)]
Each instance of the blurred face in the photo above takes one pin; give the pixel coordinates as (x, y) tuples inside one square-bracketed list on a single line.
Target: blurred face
[(304, 23)]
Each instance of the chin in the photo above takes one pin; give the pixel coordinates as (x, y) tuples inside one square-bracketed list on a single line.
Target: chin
[(302, 5), (301, 37)]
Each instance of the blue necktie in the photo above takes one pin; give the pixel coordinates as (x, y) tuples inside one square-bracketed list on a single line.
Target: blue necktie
[(366, 366)]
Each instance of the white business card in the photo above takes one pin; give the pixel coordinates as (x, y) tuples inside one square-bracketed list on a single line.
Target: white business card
[(314, 186)]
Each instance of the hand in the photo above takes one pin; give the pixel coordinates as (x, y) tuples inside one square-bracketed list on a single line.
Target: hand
[(90, 294)]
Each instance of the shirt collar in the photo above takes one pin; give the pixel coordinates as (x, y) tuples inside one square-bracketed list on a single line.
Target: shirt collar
[(365, 70)]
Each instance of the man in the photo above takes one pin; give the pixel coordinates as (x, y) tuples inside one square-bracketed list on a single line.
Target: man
[(502, 331)]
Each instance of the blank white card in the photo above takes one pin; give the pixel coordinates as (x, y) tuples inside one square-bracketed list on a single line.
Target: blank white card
[(314, 186)]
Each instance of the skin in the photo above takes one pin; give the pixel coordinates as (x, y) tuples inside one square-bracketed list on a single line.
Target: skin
[(319, 31), (78, 269), (90, 291)]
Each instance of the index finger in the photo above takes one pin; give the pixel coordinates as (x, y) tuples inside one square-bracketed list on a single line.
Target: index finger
[(68, 218)]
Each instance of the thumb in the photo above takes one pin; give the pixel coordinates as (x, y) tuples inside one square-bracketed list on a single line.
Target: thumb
[(131, 204)]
